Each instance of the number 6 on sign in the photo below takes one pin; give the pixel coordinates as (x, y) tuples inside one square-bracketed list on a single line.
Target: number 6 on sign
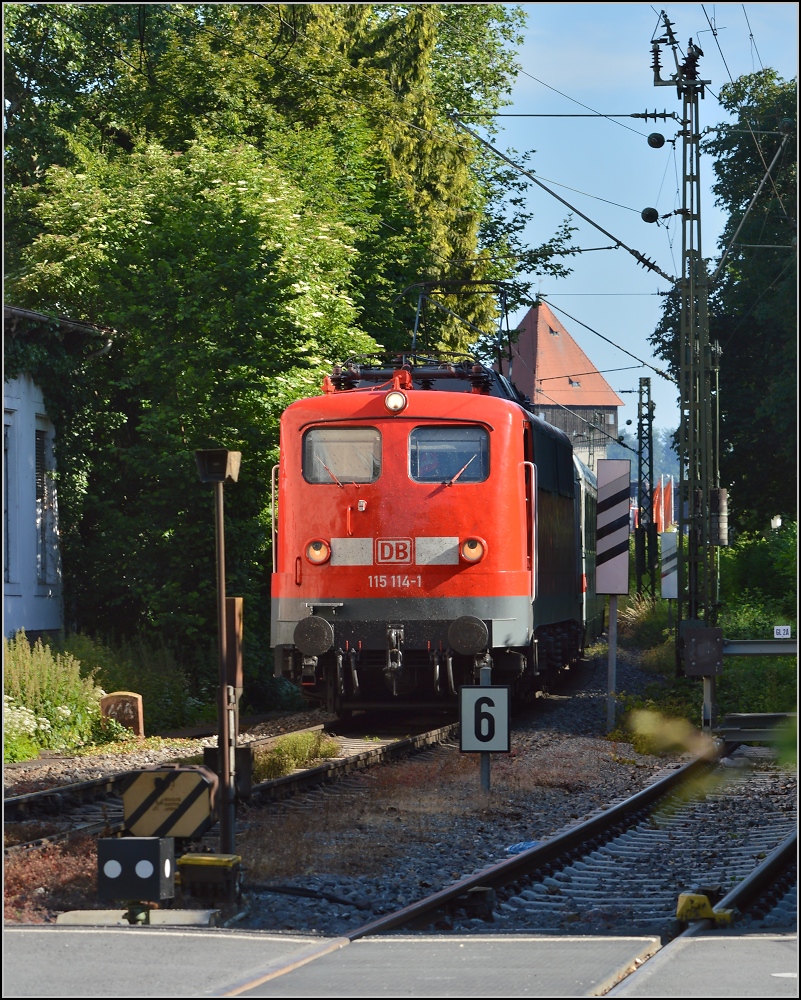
[(484, 719)]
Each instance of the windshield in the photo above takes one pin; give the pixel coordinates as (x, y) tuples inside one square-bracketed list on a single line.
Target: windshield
[(449, 454), (342, 455)]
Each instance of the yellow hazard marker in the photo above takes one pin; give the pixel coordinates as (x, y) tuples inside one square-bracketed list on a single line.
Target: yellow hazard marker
[(170, 801), (696, 906)]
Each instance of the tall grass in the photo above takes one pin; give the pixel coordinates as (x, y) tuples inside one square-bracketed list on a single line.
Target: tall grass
[(292, 751)]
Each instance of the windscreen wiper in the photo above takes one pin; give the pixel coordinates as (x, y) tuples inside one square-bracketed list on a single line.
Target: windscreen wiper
[(330, 473), (462, 470)]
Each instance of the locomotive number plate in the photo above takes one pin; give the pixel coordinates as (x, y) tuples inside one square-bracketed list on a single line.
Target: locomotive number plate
[(394, 580)]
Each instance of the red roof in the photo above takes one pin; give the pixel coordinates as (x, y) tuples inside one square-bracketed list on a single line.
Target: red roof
[(550, 367)]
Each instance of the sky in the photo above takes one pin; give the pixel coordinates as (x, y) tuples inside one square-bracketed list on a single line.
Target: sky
[(599, 54)]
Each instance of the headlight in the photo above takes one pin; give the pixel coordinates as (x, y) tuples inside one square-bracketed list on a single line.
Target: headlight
[(395, 401), (318, 552), (473, 549)]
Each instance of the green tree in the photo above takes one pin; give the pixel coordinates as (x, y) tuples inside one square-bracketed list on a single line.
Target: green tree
[(239, 192), (227, 296)]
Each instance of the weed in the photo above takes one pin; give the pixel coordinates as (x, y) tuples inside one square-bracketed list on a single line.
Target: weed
[(293, 751)]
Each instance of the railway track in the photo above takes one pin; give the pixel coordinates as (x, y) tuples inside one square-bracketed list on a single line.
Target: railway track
[(622, 871), (95, 807)]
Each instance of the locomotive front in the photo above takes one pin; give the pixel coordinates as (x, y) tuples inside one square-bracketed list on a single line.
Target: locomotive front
[(403, 542)]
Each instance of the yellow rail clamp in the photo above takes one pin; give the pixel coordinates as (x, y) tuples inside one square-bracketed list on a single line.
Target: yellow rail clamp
[(696, 906), (170, 801)]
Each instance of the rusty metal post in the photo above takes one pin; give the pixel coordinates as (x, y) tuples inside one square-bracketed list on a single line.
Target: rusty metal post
[(224, 710)]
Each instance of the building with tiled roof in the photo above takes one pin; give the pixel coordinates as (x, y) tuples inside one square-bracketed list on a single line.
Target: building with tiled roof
[(565, 387)]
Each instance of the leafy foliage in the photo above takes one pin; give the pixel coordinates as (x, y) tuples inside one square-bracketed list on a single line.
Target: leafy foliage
[(48, 702), (758, 590), (235, 195)]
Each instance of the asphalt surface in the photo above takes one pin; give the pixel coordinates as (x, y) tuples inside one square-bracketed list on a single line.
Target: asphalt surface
[(66, 961)]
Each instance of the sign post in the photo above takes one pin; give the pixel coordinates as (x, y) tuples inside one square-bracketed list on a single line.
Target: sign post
[(612, 555), (484, 721)]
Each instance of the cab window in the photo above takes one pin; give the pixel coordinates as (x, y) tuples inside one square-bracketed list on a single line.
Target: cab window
[(342, 455), (449, 454)]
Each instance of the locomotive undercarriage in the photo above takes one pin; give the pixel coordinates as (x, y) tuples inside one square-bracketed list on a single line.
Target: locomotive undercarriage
[(343, 677)]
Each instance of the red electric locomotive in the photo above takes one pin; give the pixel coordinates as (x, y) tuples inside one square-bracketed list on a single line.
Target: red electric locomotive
[(427, 523)]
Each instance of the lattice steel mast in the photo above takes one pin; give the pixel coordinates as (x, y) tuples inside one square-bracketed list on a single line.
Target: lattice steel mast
[(702, 504)]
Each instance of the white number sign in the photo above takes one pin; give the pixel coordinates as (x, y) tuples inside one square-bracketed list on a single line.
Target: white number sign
[(484, 718)]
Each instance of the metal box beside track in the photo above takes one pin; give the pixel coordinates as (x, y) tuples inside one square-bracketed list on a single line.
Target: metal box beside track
[(211, 877), (170, 800)]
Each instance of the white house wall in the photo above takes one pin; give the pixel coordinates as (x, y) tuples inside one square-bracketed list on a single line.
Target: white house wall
[(31, 557)]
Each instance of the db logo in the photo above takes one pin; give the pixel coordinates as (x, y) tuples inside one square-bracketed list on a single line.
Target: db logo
[(393, 550)]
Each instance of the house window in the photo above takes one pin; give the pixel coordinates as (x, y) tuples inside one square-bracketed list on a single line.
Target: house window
[(553, 333), (574, 382), (45, 494)]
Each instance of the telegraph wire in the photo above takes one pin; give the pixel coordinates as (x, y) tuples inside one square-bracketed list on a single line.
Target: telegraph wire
[(594, 427), (753, 43), (658, 371), (649, 264), (753, 136), (569, 98), (595, 371), (779, 152)]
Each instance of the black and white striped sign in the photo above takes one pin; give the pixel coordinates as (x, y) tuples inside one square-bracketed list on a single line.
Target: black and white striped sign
[(612, 550), (670, 564)]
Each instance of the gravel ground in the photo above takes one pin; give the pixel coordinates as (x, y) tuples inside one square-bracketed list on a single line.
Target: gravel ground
[(378, 842), (58, 769), (332, 860)]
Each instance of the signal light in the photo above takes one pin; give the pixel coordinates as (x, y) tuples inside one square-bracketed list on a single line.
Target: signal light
[(395, 401), (318, 552), (473, 549)]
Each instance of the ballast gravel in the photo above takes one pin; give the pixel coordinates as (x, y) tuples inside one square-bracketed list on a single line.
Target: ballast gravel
[(59, 769), (323, 863)]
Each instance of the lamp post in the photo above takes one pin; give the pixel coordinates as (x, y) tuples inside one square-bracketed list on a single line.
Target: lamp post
[(218, 466)]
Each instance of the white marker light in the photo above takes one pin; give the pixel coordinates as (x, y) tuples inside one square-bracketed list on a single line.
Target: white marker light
[(395, 401), (144, 869), (112, 869)]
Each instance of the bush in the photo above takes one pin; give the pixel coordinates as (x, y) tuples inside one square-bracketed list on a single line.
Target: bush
[(766, 563), (49, 701), (149, 669)]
